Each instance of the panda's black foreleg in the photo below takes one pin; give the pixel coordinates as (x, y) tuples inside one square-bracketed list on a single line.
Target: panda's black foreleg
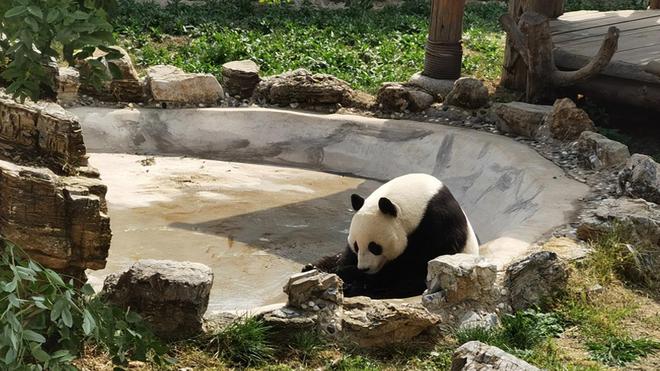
[(334, 263)]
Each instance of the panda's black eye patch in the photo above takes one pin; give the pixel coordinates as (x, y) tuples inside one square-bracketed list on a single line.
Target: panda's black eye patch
[(355, 246), (375, 248)]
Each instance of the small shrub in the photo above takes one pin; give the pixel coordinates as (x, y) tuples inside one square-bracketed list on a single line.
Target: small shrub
[(37, 32), (244, 342), (616, 351), (44, 321)]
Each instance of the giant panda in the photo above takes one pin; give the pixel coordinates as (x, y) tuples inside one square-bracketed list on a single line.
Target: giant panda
[(394, 233)]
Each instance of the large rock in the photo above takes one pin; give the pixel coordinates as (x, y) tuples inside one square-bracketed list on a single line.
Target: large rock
[(126, 86), (477, 356), (377, 323), (123, 64), (469, 93), (567, 121), (240, 78), (436, 87), (459, 278), (169, 84), (171, 296), (534, 280), (316, 303), (41, 134), (597, 152), (395, 97), (635, 220), (566, 248), (68, 83), (314, 289), (520, 118), (641, 178), (51, 203), (303, 87)]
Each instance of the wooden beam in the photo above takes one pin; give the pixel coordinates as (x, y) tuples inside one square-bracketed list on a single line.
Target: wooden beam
[(443, 49)]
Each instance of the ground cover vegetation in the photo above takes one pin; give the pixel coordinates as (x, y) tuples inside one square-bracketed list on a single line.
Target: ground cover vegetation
[(45, 321), (606, 319), (361, 46)]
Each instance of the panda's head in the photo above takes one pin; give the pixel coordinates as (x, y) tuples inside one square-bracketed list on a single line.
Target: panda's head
[(376, 235)]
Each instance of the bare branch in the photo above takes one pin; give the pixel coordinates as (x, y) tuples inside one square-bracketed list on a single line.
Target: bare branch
[(595, 66)]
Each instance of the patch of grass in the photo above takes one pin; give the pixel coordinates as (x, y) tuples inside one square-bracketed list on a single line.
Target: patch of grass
[(355, 363), (522, 331), (244, 342), (616, 351), (306, 345), (616, 255), (363, 47), (605, 4)]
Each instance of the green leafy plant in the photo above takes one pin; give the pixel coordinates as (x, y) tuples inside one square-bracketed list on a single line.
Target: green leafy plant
[(37, 33), (244, 342), (616, 351), (44, 321)]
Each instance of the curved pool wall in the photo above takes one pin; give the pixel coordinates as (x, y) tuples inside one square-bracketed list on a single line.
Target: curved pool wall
[(511, 194)]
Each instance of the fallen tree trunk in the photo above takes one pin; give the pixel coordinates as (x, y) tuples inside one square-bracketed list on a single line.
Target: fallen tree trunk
[(532, 40)]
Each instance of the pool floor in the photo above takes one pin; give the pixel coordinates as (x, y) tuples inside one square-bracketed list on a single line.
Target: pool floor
[(254, 225)]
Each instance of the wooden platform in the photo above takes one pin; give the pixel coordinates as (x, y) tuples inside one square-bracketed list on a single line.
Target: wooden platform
[(578, 36)]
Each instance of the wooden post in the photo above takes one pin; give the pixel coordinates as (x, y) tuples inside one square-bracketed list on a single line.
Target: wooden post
[(444, 52), (654, 4), (514, 73)]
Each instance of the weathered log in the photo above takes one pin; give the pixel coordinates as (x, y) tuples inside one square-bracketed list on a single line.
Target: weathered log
[(514, 73), (531, 38)]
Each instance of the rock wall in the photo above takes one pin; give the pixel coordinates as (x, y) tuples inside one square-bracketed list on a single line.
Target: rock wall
[(52, 204)]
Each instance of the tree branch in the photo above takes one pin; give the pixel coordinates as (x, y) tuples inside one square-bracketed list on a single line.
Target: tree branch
[(595, 66)]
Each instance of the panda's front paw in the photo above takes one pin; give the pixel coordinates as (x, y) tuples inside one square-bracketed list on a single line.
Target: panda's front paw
[(308, 267)]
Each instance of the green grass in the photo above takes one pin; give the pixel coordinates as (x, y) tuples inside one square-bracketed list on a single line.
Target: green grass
[(365, 48), (616, 351), (355, 363), (306, 345), (605, 4), (527, 334), (245, 342)]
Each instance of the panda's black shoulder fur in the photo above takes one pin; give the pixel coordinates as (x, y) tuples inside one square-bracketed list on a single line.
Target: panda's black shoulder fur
[(441, 231)]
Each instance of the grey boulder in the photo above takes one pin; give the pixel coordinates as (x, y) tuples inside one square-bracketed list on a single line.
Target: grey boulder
[(171, 296)]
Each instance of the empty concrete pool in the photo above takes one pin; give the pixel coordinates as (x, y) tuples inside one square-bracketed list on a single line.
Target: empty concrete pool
[(257, 193)]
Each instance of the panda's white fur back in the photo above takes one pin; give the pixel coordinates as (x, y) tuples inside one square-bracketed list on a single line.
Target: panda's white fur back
[(414, 191)]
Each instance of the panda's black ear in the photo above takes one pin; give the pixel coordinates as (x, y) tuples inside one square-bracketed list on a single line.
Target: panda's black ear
[(357, 201), (387, 207)]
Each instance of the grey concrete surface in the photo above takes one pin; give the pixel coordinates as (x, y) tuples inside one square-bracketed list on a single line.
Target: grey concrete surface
[(511, 194)]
